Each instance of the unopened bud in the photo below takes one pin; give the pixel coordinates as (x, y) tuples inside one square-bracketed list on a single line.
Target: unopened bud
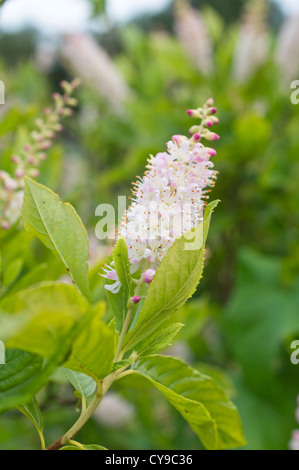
[(208, 123), (193, 113), (212, 136), (196, 137), (214, 119), (212, 111), (212, 152), (148, 275), (194, 130)]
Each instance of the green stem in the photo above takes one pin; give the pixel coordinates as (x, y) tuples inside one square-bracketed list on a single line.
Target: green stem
[(42, 439), (139, 284), (84, 417), (123, 333), (77, 444)]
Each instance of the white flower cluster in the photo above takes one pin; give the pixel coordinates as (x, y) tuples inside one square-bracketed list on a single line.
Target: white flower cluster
[(169, 200)]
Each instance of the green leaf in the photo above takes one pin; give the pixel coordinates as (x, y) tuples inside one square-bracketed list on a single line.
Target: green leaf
[(16, 375), (88, 447), (118, 365), (59, 227), (94, 447), (121, 264), (82, 383), (94, 348), (12, 271), (198, 398), (160, 339), (175, 281), (50, 317), (32, 411), (119, 302), (51, 310)]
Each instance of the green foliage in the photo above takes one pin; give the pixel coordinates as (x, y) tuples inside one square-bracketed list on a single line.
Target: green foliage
[(33, 412), (18, 376), (248, 316), (198, 398), (160, 339), (51, 312), (94, 348), (84, 385), (119, 301), (60, 229), (44, 321)]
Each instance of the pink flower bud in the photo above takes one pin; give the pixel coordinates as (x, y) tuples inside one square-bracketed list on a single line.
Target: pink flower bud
[(210, 102), (212, 136), (214, 119), (135, 299), (193, 113), (148, 275), (212, 152), (209, 123), (212, 111), (197, 137)]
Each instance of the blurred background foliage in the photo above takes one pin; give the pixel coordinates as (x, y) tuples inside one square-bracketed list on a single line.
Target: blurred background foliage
[(138, 80)]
